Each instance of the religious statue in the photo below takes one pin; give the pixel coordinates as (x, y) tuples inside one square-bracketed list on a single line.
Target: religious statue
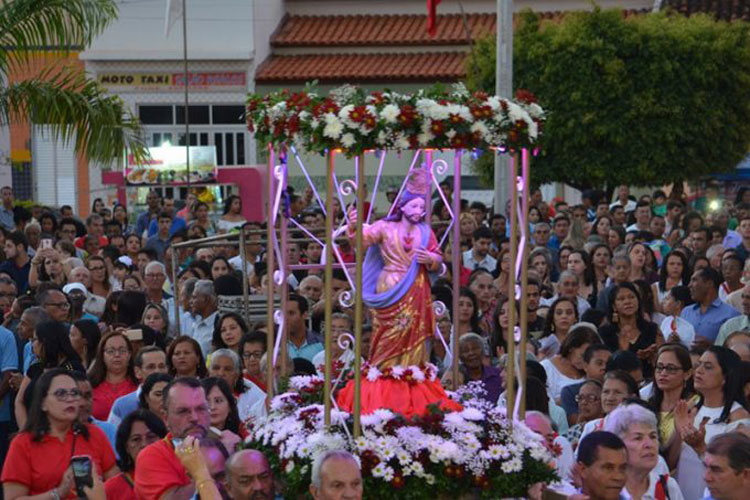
[(401, 250)]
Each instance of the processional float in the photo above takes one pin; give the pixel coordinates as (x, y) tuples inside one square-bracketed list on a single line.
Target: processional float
[(369, 127)]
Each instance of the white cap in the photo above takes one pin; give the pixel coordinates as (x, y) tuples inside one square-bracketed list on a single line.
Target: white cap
[(75, 286), (125, 260)]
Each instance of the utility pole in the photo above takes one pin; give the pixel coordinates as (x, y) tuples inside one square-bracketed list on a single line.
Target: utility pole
[(503, 88)]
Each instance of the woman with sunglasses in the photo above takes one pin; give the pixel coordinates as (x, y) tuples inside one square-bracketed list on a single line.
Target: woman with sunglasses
[(38, 461)]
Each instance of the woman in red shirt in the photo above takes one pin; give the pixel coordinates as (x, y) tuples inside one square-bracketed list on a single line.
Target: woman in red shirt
[(112, 373), (38, 461), (136, 431)]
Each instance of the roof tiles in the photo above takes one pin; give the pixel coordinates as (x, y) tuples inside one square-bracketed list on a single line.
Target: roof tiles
[(431, 66)]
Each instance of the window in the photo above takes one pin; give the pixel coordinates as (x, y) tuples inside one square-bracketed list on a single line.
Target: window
[(229, 115), (199, 115), (156, 115)]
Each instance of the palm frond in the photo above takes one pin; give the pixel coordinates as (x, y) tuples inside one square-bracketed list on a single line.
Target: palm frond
[(75, 106), (30, 25)]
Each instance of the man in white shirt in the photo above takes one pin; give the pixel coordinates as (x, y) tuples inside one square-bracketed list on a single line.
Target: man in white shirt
[(203, 303), (642, 217), (479, 255), (623, 199)]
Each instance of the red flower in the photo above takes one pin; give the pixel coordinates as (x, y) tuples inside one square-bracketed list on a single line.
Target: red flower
[(437, 127), (292, 124), (369, 121), (481, 95), (525, 96), (377, 98), (407, 115), (398, 481), (329, 106), (455, 119), (459, 141), (358, 114)]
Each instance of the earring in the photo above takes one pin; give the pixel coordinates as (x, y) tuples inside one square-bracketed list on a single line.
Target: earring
[(615, 318), (552, 328)]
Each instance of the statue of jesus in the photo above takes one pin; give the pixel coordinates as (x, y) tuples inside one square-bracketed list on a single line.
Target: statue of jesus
[(401, 250)]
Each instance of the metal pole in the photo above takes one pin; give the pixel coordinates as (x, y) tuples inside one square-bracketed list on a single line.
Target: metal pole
[(284, 230), (187, 85), (243, 256), (176, 292), (510, 362), (503, 88), (456, 260), (270, 263), (524, 279), (428, 196), (328, 293), (358, 306)]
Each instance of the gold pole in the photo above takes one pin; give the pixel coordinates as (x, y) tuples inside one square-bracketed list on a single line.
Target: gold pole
[(176, 291), (358, 311), (511, 355), (328, 293), (524, 283), (270, 265)]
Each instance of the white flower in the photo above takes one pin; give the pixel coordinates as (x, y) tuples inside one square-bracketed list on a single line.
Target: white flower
[(514, 465), (429, 479), (333, 127), (314, 123), (397, 372), (347, 140), (388, 474), (535, 110), (472, 414), (390, 113), (289, 467), (480, 127), (494, 103), (373, 374), (450, 134), (417, 374), (401, 141), (378, 470), (533, 130), (424, 138)]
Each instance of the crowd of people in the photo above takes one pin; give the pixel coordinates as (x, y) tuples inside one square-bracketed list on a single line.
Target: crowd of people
[(638, 368)]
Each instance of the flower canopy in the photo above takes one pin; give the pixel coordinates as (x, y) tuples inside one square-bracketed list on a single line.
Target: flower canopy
[(354, 121)]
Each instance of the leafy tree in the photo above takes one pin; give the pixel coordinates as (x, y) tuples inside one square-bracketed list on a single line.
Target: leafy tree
[(642, 100), (62, 96)]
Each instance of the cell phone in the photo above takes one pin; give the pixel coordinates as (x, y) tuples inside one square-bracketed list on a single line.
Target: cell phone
[(82, 473), (176, 442), (46, 243), (134, 335), (214, 432)]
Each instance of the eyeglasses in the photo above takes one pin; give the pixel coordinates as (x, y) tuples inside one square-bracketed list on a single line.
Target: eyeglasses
[(65, 394), (122, 351), (61, 305), (591, 398), (252, 355), (670, 369)]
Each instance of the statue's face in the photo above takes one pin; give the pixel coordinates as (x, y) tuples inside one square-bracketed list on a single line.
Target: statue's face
[(414, 210)]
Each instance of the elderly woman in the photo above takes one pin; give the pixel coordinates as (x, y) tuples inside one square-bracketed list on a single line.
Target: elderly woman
[(225, 364), (637, 427), (472, 369)]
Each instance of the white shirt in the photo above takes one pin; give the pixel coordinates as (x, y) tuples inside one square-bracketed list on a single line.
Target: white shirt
[(629, 206), (581, 304), (203, 332), (489, 263), (556, 380), (673, 489), (248, 399), (685, 330)]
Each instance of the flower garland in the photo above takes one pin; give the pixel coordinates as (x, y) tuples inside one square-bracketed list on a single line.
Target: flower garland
[(444, 453), (354, 121)]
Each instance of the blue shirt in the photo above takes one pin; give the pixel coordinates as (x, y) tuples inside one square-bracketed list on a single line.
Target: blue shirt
[(6, 219), (707, 324), (19, 274), (159, 245), (8, 362), (177, 224), (29, 358), (312, 345), (123, 406), (143, 221), (110, 431)]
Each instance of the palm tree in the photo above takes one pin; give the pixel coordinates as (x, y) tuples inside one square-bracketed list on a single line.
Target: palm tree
[(64, 98)]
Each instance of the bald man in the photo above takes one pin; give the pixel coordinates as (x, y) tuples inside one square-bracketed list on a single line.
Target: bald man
[(336, 476), (249, 476)]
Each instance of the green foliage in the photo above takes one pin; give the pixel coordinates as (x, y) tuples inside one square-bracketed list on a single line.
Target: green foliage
[(646, 100), (64, 98)]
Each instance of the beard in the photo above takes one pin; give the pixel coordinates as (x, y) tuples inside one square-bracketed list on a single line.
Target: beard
[(414, 218)]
